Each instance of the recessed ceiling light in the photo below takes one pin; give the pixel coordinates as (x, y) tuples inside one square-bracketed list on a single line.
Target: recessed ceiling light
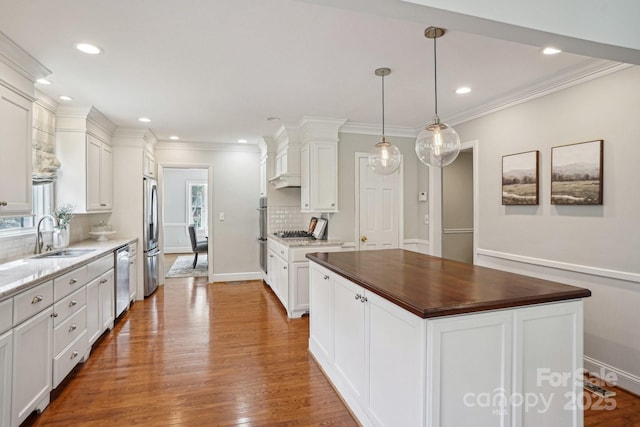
[(88, 48), (550, 51), (242, 141), (174, 137), (43, 81), (66, 98), (144, 119), (462, 90)]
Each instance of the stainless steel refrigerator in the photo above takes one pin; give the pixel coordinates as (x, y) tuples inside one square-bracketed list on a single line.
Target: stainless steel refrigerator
[(150, 236)]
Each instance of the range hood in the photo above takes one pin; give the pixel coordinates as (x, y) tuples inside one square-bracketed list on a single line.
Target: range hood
[(285, 181)]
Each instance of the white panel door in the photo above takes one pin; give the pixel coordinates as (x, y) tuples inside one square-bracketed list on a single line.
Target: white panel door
[(379, 208), (349, 341), (469, 370)]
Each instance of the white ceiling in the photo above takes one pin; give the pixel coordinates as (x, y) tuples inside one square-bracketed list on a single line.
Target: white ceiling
[(214, 70)]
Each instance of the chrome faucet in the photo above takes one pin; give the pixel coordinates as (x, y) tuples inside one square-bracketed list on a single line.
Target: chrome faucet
[(39, 241)]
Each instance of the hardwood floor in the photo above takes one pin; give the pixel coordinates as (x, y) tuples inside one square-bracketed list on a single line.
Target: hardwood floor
[(224, 354)]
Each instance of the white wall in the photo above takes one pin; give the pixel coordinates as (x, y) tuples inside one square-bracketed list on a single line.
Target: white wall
[(176, 235), (236, 187), (597, 247)]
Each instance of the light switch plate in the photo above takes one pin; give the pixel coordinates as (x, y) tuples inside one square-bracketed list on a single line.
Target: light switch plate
[(221, 216)]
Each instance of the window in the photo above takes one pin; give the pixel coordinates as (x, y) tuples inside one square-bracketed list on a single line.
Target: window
[(197, 204), (42, 199)]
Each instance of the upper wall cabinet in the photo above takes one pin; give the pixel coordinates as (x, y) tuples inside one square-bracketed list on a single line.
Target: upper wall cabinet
[(83, 146), (319, 165), (18, 72), (15, 146)]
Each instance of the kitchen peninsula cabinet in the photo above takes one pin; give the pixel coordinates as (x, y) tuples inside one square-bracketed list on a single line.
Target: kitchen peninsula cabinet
[(6, 359), (413, 340), (83, 146), (15, 146)]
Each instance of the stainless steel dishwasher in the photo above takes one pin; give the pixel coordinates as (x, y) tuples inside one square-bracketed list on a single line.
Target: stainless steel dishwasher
[(122, 279)]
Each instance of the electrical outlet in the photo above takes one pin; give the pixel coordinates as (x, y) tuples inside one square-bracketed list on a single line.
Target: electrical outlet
[(221, 216)]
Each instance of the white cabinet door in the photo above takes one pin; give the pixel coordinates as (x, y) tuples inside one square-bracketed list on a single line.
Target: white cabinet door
[(468, 357), (107, 303), (271, 270), (15, 160), (299, 286), (321, 312), (319, 177), (94, 147), (133, 277), (395, 364), (324, 179), (349, 348), (93, 311), (305, 178), (32, 374), (282, 271), (106, 177), (6, 366), (541, 370)]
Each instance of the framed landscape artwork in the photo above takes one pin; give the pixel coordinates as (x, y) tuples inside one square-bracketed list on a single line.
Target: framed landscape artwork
[(520, 179), (576, 174)]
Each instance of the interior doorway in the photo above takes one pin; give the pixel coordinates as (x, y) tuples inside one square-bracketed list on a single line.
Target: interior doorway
[(378, 207), (186, 200), (453, 210)]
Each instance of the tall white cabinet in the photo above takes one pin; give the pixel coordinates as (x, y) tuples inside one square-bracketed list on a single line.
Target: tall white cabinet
[(18, 72), (319, 165), (83, 146)]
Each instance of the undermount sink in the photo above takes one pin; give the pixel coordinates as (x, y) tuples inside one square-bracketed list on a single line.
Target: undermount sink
[(64, 253)]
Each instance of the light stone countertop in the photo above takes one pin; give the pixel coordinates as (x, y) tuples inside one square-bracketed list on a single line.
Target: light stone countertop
[(293, 242), (22, 274)]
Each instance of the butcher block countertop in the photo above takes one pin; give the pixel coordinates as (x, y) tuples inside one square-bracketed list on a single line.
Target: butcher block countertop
[(429, 286)]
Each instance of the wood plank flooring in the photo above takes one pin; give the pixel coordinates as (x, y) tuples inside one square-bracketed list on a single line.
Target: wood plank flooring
[(224, 354)]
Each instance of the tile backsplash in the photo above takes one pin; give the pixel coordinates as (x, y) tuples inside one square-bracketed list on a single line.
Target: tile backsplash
[(287, 218)]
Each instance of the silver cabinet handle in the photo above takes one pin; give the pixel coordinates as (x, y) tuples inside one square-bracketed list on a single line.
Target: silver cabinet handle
[(3, 203), (326, 277), (284, 268), (73, 281), (358, 297), (54, 315), (103, 204), (103, 281), (72, 303), (37, 299), (74, 354), (73, 328), (363, 299), (333, 204)]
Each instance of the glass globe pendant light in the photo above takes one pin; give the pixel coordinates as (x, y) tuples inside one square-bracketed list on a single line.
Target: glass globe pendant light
[(438, 144), (384, 157)]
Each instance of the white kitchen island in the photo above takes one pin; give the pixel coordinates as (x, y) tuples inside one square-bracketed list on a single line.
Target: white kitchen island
[(412, 340)]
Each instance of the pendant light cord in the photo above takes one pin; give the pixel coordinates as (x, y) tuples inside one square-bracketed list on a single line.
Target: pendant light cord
[(383, 106), (435, 74)]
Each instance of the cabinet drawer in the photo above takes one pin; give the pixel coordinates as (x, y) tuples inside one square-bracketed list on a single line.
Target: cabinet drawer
[(279, 249), (32, 302), (6, 315), (99, 266), (69, 330), (64, 362), (69, 305), (69, 282)]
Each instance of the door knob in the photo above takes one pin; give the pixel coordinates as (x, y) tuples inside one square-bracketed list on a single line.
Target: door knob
[(363, 239)]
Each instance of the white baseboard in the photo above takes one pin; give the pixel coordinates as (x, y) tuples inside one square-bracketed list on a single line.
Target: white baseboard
[(623, 379), (417, 245), (235, 277)]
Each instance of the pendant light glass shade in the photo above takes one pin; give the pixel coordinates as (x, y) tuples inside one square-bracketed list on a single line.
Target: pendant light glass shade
[(384, 157), (438, 144)]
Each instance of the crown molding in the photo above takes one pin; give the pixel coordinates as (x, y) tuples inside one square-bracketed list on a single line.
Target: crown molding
[(20, 61), (320, 128), (569, 79), (206, 146), (370, 129), (46, 101)]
